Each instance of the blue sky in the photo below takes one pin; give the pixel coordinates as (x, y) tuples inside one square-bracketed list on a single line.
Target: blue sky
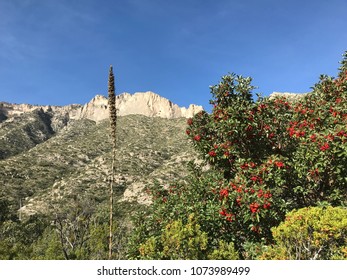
[(58, 51)]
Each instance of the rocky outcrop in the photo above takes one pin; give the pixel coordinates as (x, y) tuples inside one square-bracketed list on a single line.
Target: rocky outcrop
[(288, 95), (10, 110), (95, 110), (142, 103)]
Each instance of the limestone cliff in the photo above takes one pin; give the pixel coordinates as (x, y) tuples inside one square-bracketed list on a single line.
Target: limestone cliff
[(288, 95), (142, 103)]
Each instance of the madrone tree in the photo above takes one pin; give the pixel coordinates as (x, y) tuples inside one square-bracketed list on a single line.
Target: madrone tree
[(266, 158)]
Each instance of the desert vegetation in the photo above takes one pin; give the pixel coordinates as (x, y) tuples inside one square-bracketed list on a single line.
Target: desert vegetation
[(254, 179), (67, 178)]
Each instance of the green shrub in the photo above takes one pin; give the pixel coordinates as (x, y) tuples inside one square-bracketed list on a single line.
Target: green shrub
[(311, 233), (178, 241), (224, 251)]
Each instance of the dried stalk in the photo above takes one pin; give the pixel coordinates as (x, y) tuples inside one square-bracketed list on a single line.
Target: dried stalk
[(113, 122)]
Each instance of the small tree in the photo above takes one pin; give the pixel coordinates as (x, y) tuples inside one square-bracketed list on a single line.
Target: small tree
[(72, 226)]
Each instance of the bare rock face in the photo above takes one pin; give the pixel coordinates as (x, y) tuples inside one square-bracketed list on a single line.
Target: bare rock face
[(11, 110), (142, 103), (153, 105), (95, 110), (288, 95)]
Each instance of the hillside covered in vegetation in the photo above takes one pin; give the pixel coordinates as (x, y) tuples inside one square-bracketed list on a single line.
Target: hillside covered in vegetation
[(253, 179)]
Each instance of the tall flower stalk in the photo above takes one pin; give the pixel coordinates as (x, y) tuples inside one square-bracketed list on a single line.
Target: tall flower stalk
[(113, 123)]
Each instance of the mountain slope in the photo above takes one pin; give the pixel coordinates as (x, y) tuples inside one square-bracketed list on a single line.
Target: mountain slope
[(76, 162), (23, 132)]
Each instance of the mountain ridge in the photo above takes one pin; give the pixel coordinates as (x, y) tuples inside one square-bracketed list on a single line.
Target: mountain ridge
[(143, 103)]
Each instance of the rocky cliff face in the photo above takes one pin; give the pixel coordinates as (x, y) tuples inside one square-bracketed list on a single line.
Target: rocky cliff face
[(288, 95), (142, 103)]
